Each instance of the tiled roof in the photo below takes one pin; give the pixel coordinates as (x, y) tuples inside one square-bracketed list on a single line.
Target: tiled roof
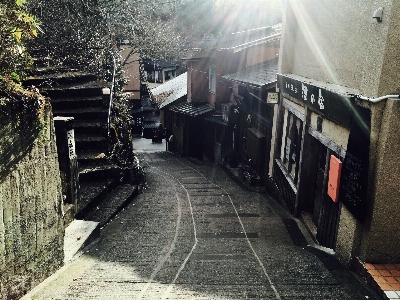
[(170, 91), (192, 109), (258, 75), (244, 38), (239, 45), (157, 64), (237, 41)]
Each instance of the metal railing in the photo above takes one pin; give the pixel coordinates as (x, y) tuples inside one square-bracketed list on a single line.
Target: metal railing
[(111, 96)]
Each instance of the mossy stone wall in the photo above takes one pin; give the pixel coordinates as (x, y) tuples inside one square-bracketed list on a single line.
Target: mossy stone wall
[(31, 204)]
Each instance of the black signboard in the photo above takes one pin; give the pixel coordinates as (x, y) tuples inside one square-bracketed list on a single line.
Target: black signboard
[(329, 103), (354, 177)]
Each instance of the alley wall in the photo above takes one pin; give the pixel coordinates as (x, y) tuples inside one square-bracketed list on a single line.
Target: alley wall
[(31, 223)]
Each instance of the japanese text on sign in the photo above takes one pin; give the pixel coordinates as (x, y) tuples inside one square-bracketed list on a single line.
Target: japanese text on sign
[(71, 143), (304, 96)]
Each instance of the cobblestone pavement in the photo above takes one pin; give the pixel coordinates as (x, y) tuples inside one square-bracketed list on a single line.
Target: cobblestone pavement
[(195, 233)]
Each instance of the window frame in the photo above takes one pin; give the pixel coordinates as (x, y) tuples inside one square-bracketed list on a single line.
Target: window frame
[(292, 136)]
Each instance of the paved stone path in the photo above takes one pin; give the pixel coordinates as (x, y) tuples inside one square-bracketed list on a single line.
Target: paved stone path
[(195, 233)]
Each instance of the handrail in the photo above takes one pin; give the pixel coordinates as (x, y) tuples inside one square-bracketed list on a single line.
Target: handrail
[(111, 96)]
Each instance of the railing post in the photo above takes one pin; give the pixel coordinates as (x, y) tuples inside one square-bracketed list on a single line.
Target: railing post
[(67, 158)]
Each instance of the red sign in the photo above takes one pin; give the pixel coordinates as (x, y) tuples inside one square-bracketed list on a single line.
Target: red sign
[(335, 168)]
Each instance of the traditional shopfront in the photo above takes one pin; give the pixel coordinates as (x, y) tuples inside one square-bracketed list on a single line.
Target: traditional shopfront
[(321, 153)]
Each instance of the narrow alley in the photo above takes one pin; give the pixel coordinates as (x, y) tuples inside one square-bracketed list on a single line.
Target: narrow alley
[(196, 233)]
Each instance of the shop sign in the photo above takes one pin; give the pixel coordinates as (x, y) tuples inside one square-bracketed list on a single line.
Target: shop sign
[(71, 143), (272, 98), (328, 103)]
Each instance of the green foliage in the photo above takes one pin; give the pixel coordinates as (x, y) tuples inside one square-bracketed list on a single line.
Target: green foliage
[(81, 33), (85, 34), (16, 27)]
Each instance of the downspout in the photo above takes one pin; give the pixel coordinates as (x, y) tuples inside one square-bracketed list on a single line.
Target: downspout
[(374, 100)]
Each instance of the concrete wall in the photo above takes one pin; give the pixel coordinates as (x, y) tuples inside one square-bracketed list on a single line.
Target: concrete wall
[(132, 71), (338, 42), (261, 53), (349, 236), (381, 234), (31, 224), (332, 131)]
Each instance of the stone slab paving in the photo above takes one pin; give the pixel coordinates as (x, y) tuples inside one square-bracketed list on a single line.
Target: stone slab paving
[(196, 234), (77, 234)]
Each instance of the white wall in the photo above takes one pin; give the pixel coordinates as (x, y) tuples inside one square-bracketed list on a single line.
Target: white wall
[(338, 42)]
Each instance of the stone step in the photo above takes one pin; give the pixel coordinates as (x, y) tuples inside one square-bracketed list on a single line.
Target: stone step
[(112, 204), (90, 127), (50, 77), (78, 102), (95, 113), (92, 192), (86, 142), (90, 156), (92, 172), (78, 235), (93, 88)]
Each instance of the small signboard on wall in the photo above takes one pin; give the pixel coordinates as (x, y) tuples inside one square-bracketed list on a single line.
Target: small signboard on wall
[(335, 168), (272, 98), (71, 143)]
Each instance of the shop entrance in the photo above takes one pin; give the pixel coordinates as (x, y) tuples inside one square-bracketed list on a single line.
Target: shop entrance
[(324, 212)]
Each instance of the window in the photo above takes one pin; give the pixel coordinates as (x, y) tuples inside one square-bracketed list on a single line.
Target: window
[(291, 144), (212, 77)]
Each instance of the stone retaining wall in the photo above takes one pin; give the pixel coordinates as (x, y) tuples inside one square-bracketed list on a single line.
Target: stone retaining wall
[(31, 204)]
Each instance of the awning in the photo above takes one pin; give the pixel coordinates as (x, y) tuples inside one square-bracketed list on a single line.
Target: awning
[(192, 109)]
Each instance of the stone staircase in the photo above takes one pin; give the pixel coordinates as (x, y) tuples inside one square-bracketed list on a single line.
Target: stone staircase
[(86, 99)]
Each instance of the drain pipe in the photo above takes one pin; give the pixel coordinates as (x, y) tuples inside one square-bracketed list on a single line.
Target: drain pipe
[(374, 100)]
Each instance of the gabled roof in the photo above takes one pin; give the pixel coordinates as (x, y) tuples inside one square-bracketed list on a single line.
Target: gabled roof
[(192, 109), (170, 91), (257, 76)]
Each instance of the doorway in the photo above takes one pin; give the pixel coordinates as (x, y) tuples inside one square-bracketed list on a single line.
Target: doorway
[(325, 212)]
